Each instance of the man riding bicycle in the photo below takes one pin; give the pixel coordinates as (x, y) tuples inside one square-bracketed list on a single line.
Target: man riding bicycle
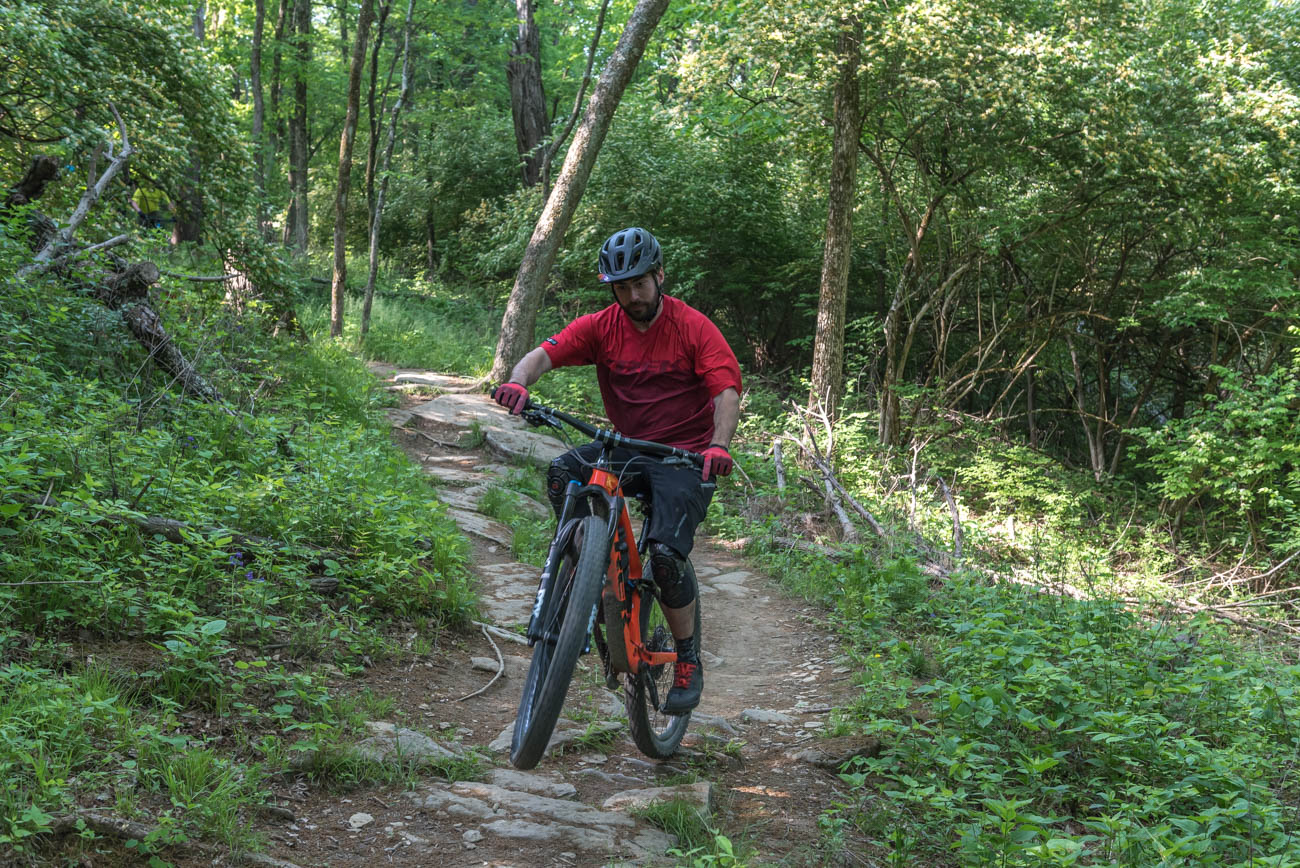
[(667, 375)]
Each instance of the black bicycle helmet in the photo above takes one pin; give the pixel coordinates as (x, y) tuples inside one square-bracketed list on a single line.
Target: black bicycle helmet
[(629, 253)]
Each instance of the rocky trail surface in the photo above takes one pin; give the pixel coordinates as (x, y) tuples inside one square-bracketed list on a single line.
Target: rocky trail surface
[(755, 760)]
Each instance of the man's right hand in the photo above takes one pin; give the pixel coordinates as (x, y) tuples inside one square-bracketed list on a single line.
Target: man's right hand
[(512, 396)]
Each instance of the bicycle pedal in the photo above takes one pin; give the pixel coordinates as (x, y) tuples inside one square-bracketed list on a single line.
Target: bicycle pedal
[(612, 681)]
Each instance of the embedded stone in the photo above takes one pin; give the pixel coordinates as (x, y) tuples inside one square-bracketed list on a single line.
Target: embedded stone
[(480, 525), (698, 795), (530, 782), (765, 715), (390, 743)]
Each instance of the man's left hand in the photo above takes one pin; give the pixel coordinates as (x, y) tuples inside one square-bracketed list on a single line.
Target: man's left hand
[(717, 462)]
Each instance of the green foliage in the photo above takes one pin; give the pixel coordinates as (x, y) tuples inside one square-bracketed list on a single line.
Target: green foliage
[(682, 819), (291, 487), (1238, 456)]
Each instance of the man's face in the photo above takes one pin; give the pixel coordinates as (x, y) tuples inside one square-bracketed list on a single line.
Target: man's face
[(640, 296)]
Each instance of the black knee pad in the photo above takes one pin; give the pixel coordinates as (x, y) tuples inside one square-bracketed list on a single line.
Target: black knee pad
[(676, 584), (556, 479)]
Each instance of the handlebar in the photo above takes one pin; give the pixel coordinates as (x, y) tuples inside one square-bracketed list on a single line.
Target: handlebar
[(538, 415)]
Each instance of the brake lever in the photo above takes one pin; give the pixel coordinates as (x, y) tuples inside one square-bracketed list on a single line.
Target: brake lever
[(538, 419)]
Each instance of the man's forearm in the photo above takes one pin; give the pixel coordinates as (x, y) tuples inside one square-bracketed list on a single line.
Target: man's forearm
[(726, 414), (531, 367)]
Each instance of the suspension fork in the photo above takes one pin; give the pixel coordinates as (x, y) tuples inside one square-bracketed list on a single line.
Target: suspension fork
[(544, 602)]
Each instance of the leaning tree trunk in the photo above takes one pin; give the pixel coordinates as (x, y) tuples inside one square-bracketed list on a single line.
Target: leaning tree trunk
[(828, 349), (520, 319), (339, 284), (527, 97), (296, 227), (377, 217)]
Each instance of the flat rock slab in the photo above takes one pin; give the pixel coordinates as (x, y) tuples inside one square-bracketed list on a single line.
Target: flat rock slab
[(507, 592), (462, 411), (445, 382), (393, 744), (739, 577), (698, 795), (765, 715), (453, 475), (461, 498), (566, 733), (530, 782), (480, 525), (528, 446)]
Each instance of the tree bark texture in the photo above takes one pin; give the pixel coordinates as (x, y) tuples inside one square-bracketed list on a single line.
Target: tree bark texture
[(373, 120), (527, 97), (188, 225), (377, 217), (259, 107), (277, 134), (828, 347), (339, 285), (296, 227), (520, 320)]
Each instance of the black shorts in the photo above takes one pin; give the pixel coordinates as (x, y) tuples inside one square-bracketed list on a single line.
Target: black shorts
[(679, 496)]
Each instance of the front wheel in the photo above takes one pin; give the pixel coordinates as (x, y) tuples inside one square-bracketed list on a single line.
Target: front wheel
[(656, 734), (576, 588)]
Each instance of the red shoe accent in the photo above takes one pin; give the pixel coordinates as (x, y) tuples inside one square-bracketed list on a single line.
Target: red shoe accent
[(682, 674)]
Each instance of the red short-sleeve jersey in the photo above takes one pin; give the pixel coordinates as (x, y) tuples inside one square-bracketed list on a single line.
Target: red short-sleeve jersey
[(659, 384)]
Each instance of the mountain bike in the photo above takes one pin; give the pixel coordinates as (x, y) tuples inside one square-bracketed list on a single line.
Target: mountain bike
[(593, 589)]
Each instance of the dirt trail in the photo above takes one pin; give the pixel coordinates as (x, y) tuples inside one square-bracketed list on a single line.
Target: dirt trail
[(754, 752)]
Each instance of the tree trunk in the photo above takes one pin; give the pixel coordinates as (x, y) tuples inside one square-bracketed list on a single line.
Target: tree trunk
[(259, 109), (296, 228), (339, 284), (527, 98), (373, 119), (828, 350), (378, 215), (277, 128), (520, 319), (188, 225)]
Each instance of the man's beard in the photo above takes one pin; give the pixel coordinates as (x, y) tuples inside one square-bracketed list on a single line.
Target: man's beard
[(651, 311)]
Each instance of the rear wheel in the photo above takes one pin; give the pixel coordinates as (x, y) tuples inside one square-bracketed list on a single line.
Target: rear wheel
[(576, 589), (656, 734)]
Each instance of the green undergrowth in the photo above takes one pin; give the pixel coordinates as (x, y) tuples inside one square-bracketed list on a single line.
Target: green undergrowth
[(414, 324), (1026, 728), (215, 561)]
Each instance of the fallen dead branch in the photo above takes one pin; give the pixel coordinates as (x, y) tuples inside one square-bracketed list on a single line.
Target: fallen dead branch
[(501, 668), (500, 633), (956, 519), (780, 468), (63, 237), (203, 278)]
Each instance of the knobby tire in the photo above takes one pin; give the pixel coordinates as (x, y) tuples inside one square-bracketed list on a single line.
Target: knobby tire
[(657, 735), (576, 590)]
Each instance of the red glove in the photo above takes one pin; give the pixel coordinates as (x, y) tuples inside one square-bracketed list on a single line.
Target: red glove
[(512, 396), (717, 462)]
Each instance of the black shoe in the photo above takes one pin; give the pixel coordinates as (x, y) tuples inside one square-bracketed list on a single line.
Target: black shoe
[(688, 682)]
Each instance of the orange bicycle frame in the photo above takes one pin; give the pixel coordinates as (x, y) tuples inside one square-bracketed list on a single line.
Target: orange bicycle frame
[(625, 541)]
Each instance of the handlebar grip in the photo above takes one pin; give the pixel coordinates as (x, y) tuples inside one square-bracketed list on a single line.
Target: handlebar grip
[(528, 403)]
